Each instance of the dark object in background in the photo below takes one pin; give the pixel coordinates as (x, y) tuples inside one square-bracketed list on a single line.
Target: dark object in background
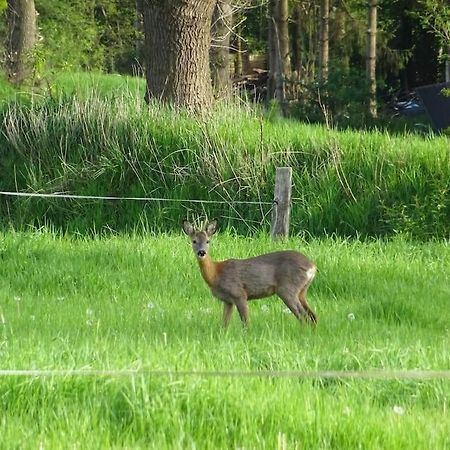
[(410, 107), (436, 104), (255, 83)]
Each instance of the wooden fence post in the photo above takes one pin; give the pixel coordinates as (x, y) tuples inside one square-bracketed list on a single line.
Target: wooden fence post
[(281, 203)]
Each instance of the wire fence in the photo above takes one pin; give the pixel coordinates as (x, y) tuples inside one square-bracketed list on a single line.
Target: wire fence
[(143, 199), (249, 223), (419, 375)]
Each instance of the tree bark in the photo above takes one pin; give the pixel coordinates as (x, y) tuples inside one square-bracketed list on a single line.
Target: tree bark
[(324, 39), (138, 43), (220, 48), (297, 42), (282, 18), (371, 60), (238, 63), (272, 50), (177, 42), (338, 33), (276, 87), (21, 21), (447, 67)]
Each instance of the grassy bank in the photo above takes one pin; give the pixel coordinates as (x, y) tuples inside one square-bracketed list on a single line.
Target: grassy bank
[(118, 303), (345, 182)]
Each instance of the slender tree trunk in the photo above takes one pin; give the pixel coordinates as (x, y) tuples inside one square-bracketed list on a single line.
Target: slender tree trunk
[(138, 43), (311, 41), (447, 67), (324, 39), (276, 85), (297, 42), (238, 63), (220, 48), (21, 19), (338, 33), (177, 42), (371, 61), (273, 49), (282, 18)]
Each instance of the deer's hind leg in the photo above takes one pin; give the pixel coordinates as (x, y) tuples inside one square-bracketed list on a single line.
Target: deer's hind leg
[(304, 303), (290, 299)]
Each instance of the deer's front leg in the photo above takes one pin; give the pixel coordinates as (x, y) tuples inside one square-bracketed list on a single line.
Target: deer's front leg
[(227, 312)]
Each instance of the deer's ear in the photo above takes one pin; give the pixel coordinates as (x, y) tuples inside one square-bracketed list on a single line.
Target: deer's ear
[(188, 228), (211, 228)]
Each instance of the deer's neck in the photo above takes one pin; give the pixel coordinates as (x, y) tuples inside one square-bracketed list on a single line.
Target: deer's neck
[(210, 270)]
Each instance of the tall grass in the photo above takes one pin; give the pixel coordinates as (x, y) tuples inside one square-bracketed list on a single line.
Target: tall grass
[(345, 182), (140, 302)]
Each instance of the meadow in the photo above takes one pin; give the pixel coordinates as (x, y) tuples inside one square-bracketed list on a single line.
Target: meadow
[(114, 285), (138, 302)]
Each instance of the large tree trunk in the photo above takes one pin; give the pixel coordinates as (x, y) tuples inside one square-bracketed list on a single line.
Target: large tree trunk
[(177, 42), (324, 39), (21, 19), (371, 61), (220, 48)]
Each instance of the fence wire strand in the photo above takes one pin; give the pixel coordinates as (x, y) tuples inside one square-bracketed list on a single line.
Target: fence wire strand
[(143, 199), (419, 375)]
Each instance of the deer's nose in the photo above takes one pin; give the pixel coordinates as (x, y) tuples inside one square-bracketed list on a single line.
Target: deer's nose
[(201, 253)]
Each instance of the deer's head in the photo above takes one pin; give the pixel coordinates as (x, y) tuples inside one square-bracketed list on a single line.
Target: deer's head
[(200, 238)]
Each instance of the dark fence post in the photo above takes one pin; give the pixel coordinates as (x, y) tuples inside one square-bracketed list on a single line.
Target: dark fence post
[(281, 203)]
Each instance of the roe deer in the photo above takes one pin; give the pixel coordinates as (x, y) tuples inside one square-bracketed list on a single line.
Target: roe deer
[(235, 281)]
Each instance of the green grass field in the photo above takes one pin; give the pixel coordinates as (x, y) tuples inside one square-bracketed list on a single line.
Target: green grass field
[(139, 302)]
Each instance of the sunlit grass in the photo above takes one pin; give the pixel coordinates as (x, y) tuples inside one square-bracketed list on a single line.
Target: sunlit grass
[(85, 84), (140, 302)]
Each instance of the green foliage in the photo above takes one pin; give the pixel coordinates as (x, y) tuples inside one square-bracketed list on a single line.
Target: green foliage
[(70, 37), (411, 41), (346, 182), (435, 16), (117, 303), (342, 100), (87, 35), (116, 21)]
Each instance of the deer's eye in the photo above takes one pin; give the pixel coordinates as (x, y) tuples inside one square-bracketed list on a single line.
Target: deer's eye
[(207, 242), (194, 241)]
